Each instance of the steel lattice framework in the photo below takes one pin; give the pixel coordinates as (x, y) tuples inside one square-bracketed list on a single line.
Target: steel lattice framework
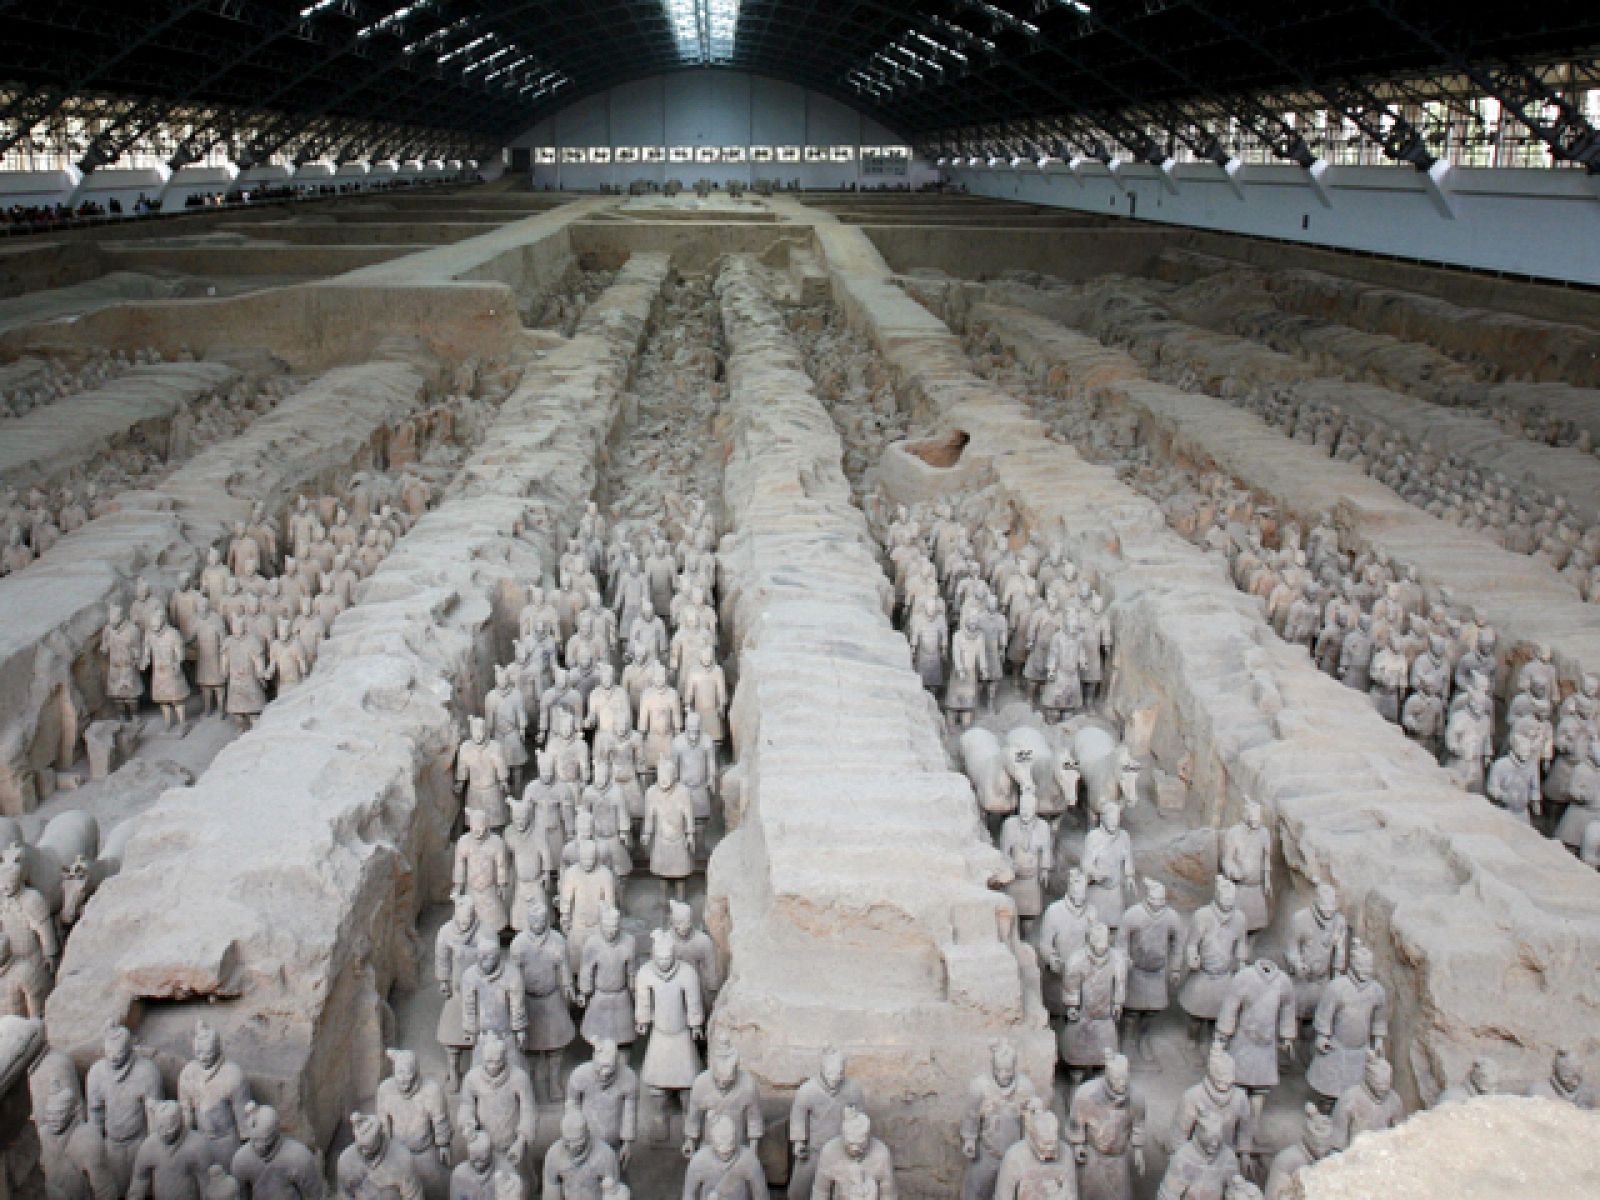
[(1148, 79)]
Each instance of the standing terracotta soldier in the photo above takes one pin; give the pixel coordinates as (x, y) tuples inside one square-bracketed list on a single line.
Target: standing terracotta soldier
[(374, 1166), (171, 1163), (1106, 1127), (454, 950), (967, 665), (287, 660), (507, 719), (482, 774), (273, 1166), (483, 872), (123, 647), (606, 1090), (1217, 947), (695, 757), (1202, 1166), (1063, 931), (497, 1097), (1107, 863), (122, 1090), (660, 716), (1217, 1097), (669, 828), (605, 983), (164, 654), (1319, 938), (817, 1117), (723, 1089), (578, 1162), (854, 1164), (694, 946), (1514, 781), (725, 1168), (667, 1007), (531, 861), (1247, 861), (1315, 1144), (705, 693), (1028, 845), (245, 663), (1040, 1160), (210, 675), (1257, 1021), (473, 1177), (1094, 989), (415, 1116), (1152, 937), (543, 962), (72, 1152), (1351, 1021), (493, 1001), (24, 985), (215, 1097), (1370, 1104), (588, 888), (992, 1122)]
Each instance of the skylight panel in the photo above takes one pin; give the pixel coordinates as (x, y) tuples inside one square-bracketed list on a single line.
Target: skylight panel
[(704, 30)]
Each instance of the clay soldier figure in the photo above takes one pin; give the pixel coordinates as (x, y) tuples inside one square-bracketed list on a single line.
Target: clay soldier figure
[(1483, 1079), (473, 1179), (695, 757), (1514, 778), (72, 1152), (531, 861), (725, 1168), (122, 1090), (967, 665), (660, 716), (1468, 742), (1566, 1082), (1061, 692), (1218, 1096), (497, 1097), (1218, 945), (482, 774), (723, 1089), (493, 1001), (172, 1162), (1039, 1163), (25, 916), (1028, 845), (606, 1090), (993, 1119), (854, 1164), (669, 828), (1152, 937), (454, 950), (413, 1113), (1315, 1144), (1369, 1104), (606, 978), (1202, 1167), (695, 947), (287, 660), (1094, 989), (929, 635), (245, 664), (544, 795), (705, 692), (24, 986), (1106, 1128), (1247, 860), (609, 713), (507, 720), (575, 1166), (1352, 1020), (817, 1117), (273, 1166), (483, 872), (210, 675), (215, 1097), (588, 888), (163, 655), (667, 1007), (374, 1166), (1319, 939), (123, 647), (1063, 931), (1107, 863), (1257, 1021)]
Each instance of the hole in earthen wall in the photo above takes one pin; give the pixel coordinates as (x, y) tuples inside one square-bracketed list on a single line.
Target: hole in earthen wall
[(941, 452)]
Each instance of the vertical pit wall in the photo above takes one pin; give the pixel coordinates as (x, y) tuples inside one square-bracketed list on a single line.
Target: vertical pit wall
[(1487, 934), (277, 898), (853, 897)]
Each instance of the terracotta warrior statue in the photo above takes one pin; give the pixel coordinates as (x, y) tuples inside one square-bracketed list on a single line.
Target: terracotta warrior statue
[(854, 1164), (667, 1008), (726, 1168), (1152, 936), (993, 1121), (1106, 1128), (606, 1090), (215, 1097), (122, 1090), (414, 1113), (817, 1117), (1351, 1022), (1218, 945), (1037, 1161)]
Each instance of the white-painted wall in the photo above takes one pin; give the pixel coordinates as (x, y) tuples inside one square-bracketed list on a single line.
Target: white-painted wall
[(1542, 223), (711, 107)]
